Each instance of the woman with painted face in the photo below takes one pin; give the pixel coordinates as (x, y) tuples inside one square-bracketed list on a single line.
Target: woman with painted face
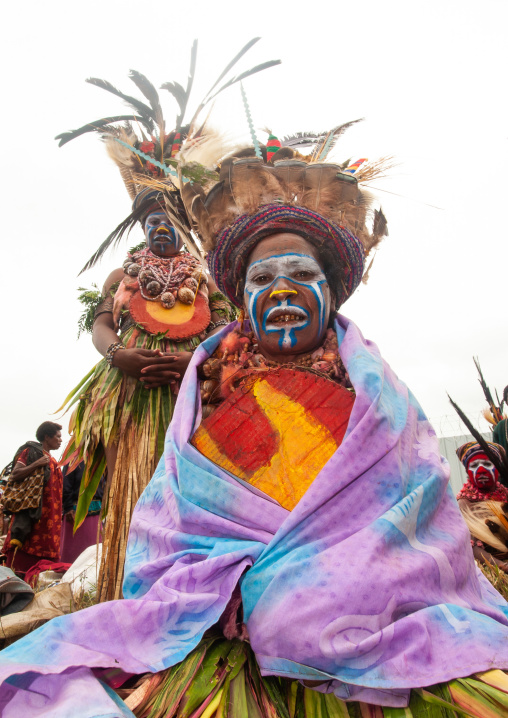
[(298, 551), (483, 502), (155, 311)]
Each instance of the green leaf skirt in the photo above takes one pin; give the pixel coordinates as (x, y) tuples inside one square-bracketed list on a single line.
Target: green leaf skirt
[(221, 679)]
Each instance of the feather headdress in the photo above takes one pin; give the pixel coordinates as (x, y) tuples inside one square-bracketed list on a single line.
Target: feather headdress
[(142, 149), (247, 182), (499, 459)]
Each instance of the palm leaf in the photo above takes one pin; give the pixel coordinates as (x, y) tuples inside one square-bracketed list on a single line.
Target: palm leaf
[(167, 697), (496, 678), (89, 484), (397, 713), (207, 680), (97, 126), (76, 389), (237, 695), (440, 708)]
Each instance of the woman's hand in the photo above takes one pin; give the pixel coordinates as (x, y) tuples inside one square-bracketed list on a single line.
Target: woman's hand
[(132, 362), (165, 369), (43, 461)]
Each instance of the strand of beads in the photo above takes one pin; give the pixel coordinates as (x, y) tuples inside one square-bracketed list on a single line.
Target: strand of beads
[(165, 279)]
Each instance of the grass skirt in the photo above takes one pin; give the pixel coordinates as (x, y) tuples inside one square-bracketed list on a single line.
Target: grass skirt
[(221, 679), (114, 410)]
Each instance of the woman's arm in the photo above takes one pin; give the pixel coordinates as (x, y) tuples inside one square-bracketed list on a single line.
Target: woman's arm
[(130, 361), (20, 471)]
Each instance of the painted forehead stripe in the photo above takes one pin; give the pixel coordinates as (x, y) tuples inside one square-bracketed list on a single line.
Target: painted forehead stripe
[(285, 255)]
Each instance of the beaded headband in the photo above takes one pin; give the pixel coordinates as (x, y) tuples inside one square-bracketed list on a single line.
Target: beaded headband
[(228, 260), (467, 451)]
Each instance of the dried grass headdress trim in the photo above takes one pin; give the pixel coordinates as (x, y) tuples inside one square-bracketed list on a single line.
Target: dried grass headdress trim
[(228, 260)]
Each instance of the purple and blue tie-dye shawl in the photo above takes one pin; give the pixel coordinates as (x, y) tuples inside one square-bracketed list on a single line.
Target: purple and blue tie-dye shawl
[(368, 584)]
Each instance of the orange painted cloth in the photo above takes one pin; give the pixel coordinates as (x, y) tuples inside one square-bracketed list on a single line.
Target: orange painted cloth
[(44, 539)]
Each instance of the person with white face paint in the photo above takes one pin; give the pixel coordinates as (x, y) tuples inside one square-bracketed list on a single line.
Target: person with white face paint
[(298, 549), (287, 296), (483, 501)]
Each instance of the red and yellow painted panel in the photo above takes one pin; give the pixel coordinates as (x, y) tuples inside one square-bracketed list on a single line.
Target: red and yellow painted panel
[(180, 322), (278, 434)]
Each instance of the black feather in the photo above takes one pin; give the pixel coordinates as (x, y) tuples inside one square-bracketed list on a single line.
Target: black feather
[(228, 67), (486, 391), (181, 95), (116, 235), (97, 126), (244, 75), (380, 226), (151, 94), (143, 109), (233, 62), (178, 93), (501, 465)]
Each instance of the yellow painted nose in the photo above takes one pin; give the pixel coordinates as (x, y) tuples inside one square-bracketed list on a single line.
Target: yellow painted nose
[(282, 291)]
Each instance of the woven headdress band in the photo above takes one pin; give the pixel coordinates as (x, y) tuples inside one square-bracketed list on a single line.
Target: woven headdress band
[(344, 252), (467, 451)]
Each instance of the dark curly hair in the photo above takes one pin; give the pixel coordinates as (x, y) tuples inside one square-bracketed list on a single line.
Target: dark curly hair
[(47, 430)]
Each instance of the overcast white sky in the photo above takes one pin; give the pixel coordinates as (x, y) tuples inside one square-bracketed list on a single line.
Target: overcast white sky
[(430, 79)]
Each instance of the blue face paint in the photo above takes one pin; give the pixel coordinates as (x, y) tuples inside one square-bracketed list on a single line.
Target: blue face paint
[(285, 293), (161, 237)]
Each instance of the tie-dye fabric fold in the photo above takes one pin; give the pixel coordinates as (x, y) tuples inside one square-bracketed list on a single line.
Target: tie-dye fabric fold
[(369, 584)]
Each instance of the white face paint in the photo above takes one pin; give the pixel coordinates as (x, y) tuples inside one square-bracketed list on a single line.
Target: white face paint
[(300, 281)]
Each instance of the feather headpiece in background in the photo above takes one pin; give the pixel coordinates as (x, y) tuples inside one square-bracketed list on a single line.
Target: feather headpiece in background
[(500, 462), (142, 149)]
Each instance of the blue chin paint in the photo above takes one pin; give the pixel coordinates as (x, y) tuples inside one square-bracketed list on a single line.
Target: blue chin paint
[(263, 275)]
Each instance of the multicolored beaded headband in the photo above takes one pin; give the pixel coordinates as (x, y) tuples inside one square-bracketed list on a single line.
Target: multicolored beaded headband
[(228, 260), (467, 451)]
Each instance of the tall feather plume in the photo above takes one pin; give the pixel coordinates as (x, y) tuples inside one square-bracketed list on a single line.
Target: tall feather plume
[(496, 413), (210, 95), (323, 148), (501, 466), (181, 95), (151, 94)]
